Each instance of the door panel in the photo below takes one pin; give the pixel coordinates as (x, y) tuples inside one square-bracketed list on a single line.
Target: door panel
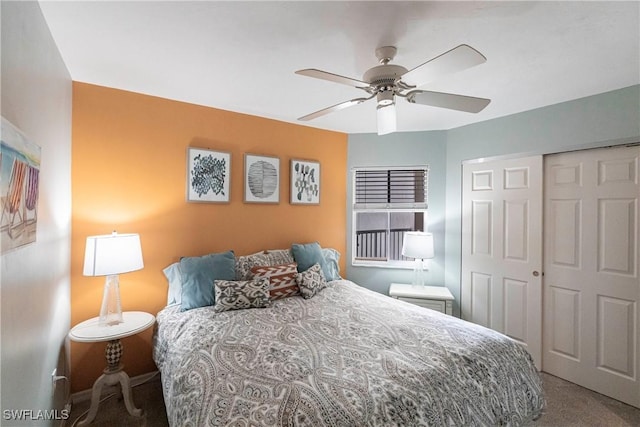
[(616, 331), (516, 226), (591, 285), (480, 295), (563, 306), (564, 229), (515, 309), (481, 225), (502, 248), (616, 229)]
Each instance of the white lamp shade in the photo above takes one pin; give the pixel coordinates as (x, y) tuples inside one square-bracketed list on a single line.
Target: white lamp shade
[(386, 116), (418, 245), (112, 254)]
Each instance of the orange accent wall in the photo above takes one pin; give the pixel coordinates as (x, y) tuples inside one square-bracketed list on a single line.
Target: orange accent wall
[(129, 174)]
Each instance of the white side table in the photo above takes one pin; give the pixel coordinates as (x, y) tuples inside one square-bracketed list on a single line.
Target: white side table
[(437, 298), (133, 323)]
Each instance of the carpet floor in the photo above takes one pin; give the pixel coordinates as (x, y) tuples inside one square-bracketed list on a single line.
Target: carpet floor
[(568, 405)]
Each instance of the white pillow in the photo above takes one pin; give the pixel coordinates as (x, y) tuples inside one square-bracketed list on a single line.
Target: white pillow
[(332, 258), (174, 276)]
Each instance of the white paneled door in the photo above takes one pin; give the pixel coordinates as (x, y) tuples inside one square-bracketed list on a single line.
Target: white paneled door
[(502, 248), (591, 284)]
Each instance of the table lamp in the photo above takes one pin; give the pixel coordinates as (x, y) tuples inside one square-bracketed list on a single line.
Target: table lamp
[(418, 245), (110, 255)]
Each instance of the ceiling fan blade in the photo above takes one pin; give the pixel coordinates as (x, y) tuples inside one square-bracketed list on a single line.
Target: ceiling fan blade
[(333, 108), (324, 75), (457, 59), (469, 104), (386, 116)]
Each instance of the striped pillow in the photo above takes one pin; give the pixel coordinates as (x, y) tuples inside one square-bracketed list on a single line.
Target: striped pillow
[(282, 279)]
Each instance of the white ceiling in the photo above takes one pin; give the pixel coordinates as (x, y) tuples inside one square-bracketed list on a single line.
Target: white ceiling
[(241, 56)]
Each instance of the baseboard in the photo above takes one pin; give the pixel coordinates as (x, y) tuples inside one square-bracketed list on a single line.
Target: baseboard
[(84, 395)]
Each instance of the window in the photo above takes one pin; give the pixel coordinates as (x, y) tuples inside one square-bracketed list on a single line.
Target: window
[(387, 202)]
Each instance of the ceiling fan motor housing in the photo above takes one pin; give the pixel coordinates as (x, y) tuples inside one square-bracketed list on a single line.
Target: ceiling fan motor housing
[(384, 78), (384, 75)]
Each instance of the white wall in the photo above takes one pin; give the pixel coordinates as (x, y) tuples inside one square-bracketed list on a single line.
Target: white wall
[(34, 281)]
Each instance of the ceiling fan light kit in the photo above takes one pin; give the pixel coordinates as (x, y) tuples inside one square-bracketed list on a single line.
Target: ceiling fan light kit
[(385, 98), (386, 81), (386, 116)]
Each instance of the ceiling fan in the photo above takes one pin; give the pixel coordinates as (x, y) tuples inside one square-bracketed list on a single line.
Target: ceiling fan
[(387, 81)]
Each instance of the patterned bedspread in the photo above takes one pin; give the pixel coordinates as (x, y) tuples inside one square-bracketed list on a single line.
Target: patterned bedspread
[(346, 357)]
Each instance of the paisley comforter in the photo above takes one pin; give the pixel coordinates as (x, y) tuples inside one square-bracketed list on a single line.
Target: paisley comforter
[(346, 357)]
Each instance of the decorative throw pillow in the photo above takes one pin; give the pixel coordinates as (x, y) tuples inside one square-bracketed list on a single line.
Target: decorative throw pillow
[(282, 279), (245, 262), (198, 275), (278, 256), (311, 281), (331, 258), (309, 254), (237, 295)]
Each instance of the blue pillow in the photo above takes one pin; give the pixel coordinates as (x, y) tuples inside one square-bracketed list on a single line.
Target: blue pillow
[(306, 255), (198, 275)]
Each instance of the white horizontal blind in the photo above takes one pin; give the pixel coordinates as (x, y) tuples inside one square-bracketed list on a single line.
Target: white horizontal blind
[(391, 188)]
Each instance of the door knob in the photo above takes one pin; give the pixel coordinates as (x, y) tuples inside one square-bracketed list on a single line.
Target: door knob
[(535, 273)]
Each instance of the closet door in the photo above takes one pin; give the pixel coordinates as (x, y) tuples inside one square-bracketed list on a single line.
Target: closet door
[(591, 286), (502, 248)]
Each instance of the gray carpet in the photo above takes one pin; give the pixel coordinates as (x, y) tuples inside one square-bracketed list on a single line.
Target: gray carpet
[(112, 411), (567, 405), (571, 405)]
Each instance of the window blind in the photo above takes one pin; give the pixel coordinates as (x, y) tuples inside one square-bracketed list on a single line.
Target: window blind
[(391, 188)]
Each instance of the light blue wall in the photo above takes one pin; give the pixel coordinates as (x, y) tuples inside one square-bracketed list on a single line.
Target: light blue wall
[(401, 149), (606, 119)]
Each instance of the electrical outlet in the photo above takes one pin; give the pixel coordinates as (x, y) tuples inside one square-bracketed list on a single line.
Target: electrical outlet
[(55, 378)]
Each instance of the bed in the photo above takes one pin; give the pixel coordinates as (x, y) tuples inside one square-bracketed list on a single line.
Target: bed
[(347, 356)]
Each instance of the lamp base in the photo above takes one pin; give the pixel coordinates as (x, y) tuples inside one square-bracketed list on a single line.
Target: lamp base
[(111, 309), (418, 273)]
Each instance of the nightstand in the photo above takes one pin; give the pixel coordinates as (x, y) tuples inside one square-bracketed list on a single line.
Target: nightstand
[(133, 323), (437, 298)]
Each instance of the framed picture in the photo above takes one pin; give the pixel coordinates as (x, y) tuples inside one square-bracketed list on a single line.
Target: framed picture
[(208, 175), (261, 179), (305, 182), (19, 186)]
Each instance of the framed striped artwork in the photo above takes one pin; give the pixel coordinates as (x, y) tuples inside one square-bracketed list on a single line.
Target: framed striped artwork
[(261, 179)]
